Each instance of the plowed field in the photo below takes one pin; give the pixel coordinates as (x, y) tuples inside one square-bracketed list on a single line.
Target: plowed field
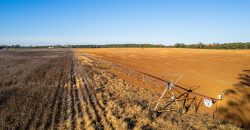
[(212, 70)]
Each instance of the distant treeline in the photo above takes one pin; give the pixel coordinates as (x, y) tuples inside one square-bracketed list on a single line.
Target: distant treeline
[(121, 46), (19, 46), (11, 46), (237, 45), (92, 46)]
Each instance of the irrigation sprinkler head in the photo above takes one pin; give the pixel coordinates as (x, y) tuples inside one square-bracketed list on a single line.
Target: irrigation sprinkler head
[(169, 85), (182, 110), (172, 97), (221, 96)]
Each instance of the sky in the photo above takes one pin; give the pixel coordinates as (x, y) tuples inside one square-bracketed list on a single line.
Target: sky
[(45, 22)]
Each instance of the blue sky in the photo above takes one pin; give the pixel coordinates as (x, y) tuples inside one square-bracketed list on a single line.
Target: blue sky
[(43, 22)]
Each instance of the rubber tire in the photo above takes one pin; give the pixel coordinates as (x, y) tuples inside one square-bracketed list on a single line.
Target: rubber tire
[(182, 110)]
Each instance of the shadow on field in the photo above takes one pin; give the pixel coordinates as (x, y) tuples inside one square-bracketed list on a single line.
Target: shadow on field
[(237, 107), (244, 79)]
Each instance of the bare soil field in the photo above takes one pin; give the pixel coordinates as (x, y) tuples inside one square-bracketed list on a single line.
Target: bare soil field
[(209, 71), (63, 89), (212, 70)]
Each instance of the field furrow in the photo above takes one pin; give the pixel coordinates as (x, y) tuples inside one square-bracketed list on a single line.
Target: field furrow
[(57, 109), (67, 117), (31, 119), (87, 115), (78, 105), (53, 108), (101, 116), (42, 113)]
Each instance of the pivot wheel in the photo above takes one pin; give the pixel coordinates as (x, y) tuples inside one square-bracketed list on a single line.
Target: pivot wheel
[(183, 110)]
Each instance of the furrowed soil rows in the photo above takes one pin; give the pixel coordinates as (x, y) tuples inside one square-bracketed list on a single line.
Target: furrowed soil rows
[(58, 109), (62, 89), (78, 107), (53, 106), (41, 114)]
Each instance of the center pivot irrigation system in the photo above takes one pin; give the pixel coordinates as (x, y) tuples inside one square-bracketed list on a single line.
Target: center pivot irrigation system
[(173, 97)]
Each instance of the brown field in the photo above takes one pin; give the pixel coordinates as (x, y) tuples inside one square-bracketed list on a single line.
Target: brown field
[(212, 70), (63, 89), (209, 71)]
